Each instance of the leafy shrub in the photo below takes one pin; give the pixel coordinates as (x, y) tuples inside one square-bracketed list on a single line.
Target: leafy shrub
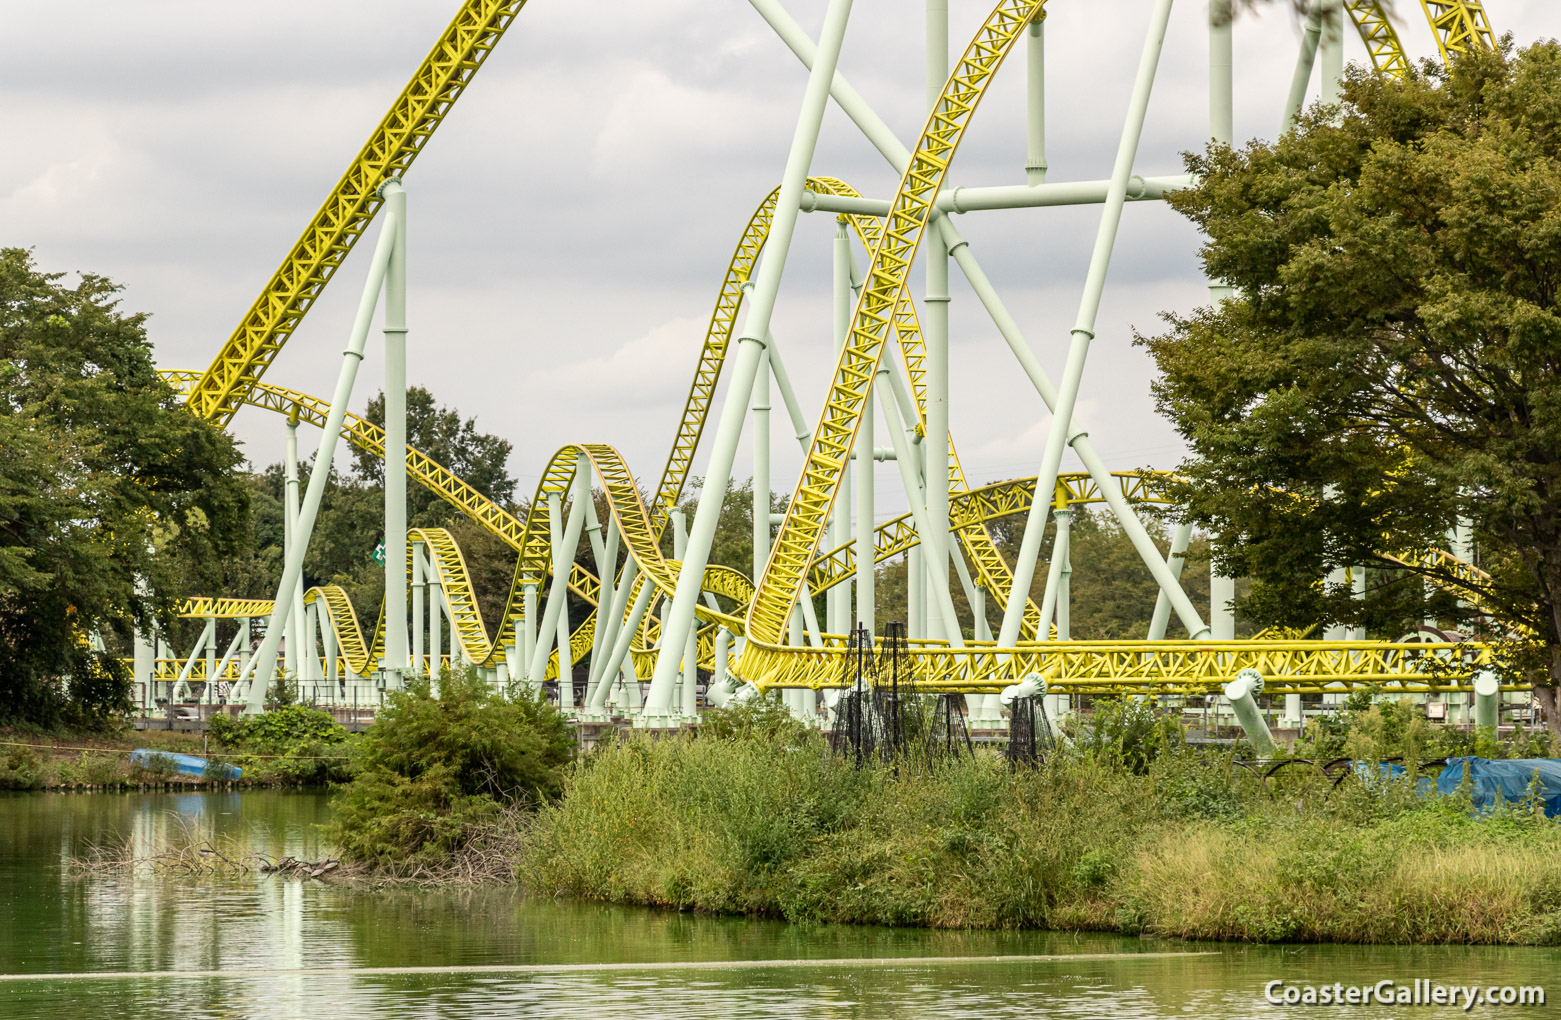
[(20, 770), (761, 717), (1127, 731), (434, 767), (299, 744)]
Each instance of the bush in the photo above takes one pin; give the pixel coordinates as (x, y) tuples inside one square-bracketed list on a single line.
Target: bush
[(434, 768), (299, 745), (20, 770)]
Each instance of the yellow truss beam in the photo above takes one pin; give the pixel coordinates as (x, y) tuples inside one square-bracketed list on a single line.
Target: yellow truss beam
[(1460, 26), (348, 209)]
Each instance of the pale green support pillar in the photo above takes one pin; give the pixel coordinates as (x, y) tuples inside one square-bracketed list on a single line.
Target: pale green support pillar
[(1331, 48), (1083, 332), (419, 619), (292, 569), (1242, 694), (328, 640), (397, 660), (293, 614), (749, 345), (1487, 702), (690, 686), (1035, 93), (1304, 62)]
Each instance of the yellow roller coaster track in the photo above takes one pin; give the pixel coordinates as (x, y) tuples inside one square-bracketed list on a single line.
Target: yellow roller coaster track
[(351, 205), (884, 305)]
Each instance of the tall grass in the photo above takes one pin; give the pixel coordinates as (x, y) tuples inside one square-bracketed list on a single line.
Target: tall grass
[(768, 823)]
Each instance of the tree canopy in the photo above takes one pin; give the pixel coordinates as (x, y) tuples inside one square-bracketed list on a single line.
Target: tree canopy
[(1388, 365), (114, 499)]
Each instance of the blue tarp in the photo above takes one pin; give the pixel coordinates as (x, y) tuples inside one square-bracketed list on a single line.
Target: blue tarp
[(188, 764), (1505, 780)]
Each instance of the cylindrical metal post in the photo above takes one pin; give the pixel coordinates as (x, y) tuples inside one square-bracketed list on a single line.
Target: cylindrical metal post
[(292, 569), (419, 583), (1304, 62), (1221, 106), (1175, 560), (1035, 94), (718, 471), (1332, 50), (1242, 694), (1084, 325), (295, 606), (396, 660), (1487, 701)]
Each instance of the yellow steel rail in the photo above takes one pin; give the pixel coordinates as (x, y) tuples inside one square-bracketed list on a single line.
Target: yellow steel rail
[(1377, 32), (1166, 667), (351, 205), (1460, 26), (833, 436)]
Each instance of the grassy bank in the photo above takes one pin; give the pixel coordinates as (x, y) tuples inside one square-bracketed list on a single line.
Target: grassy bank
[(293, 746), (1132, 834)]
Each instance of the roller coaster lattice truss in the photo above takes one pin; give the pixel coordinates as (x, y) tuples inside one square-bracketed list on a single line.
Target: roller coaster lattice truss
[(655, 616)]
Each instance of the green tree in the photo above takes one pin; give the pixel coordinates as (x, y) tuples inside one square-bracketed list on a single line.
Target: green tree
[(113, 498), (1390, 364), (435, 767)]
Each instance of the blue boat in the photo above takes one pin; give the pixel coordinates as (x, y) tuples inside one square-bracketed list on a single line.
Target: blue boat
[(185, 764)]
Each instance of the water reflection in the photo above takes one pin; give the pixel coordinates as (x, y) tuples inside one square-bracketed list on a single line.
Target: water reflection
[(57, 924)]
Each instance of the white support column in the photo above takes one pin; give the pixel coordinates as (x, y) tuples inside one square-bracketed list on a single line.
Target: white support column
[(1221, 105), (240, 644), (1304, 62), (1084, 326), (419, 618), (558, 591), (180, 688), (562, 557), (689, 701), (290, 504), (436, 622), (292, 570), (866, 564), (760, 404), (1331, 47), (529, 625), (396, 660), (1035, 95), (606, 556), (211, 657), (838, 598), (620, 658), (935, 333), (1222, 617), (310, 664), (1175, 561), (728, 430), (938, 590), (615, 622), (328, 639)]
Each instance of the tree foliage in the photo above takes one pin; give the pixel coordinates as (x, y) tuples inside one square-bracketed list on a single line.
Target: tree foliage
[(1388, 366), (113, 498), (435, 766)]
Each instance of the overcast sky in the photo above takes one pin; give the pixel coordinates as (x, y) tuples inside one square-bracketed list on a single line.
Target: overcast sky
[(572, 219)]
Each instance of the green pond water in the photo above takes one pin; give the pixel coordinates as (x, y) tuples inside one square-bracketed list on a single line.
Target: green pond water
[(267, 947)]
